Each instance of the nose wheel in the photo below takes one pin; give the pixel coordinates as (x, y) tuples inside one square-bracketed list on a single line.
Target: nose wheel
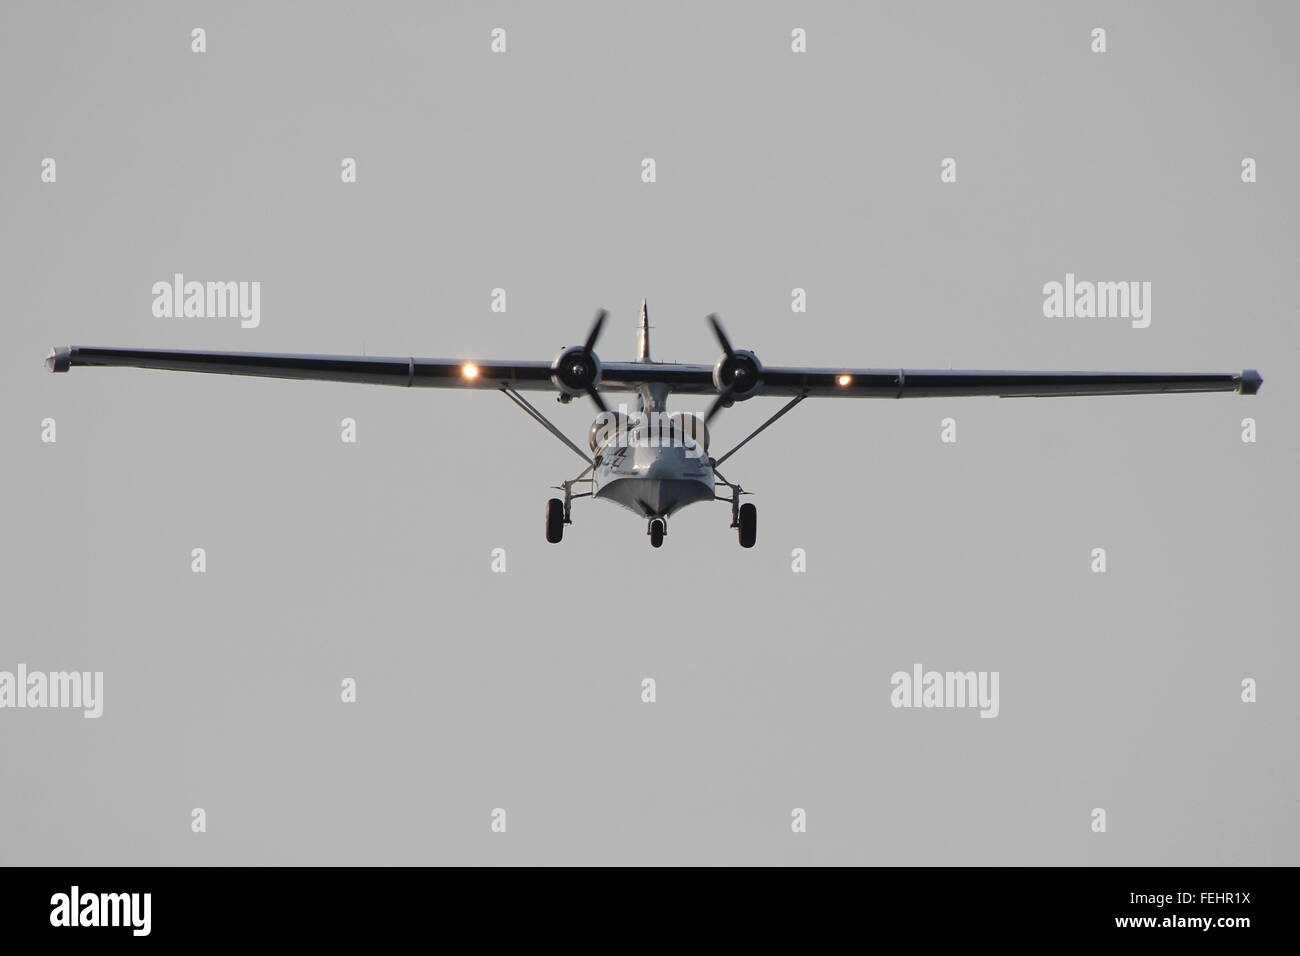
[(658, 528)]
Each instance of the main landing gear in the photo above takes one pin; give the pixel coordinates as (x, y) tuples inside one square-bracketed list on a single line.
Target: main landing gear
[(744, 518), (558, 509)]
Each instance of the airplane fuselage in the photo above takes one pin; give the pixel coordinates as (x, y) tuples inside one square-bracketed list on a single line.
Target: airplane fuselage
[(651, 478)]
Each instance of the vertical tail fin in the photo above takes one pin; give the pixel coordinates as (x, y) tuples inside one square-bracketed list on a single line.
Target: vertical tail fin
[(643, 335)]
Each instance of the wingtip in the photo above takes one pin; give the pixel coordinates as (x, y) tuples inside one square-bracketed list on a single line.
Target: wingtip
[(59, 359), (1250, 381)]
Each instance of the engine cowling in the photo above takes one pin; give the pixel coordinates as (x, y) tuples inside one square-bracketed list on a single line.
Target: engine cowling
[(738, 374), (575, 371)]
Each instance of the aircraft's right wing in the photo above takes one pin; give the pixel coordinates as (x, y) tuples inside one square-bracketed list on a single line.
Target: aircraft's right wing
[(367, 369)]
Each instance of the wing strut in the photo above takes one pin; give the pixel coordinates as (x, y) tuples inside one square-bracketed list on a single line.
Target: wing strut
[(542, 420), (754, 434)]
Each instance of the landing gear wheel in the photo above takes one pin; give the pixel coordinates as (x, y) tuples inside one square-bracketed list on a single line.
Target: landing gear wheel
[(657, 529), (554, 520), (747, 522)]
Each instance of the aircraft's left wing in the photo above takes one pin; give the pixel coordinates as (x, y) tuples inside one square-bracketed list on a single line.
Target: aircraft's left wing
[(936, 383)]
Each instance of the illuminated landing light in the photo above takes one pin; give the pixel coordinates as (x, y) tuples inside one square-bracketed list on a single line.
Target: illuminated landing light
[(469, 370), (844, 380)]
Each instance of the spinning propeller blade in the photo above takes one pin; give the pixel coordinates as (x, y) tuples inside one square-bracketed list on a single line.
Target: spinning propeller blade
[(588, 348), (724, 397), (594, 334), (718, 405), (721, 335), (595, 397)]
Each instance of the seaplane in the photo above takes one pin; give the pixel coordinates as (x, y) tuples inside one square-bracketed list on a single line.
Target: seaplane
[(648, 459)]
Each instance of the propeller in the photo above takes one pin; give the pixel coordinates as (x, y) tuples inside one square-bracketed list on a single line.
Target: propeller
[(590, 355), (737, 374), (577, 370)]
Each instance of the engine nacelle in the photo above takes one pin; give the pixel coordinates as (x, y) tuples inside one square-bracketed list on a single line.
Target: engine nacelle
[(575, 370), (740, 372)]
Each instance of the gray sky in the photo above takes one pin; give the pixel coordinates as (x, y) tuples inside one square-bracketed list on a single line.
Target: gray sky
[(522, 690)]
